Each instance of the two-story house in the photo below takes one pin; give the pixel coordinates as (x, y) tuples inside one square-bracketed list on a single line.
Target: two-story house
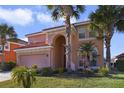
[(47, 47), (9, 53)]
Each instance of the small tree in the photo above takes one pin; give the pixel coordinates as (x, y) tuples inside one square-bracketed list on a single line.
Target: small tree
[(24, 76), (6, 32), (83, 56), (86, 49)]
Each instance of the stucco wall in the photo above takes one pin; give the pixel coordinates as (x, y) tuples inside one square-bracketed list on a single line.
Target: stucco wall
[(52, 37), (37, 38), (11, 54)]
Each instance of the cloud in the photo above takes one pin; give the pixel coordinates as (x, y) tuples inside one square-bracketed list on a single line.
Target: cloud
[(25, 39), (18, 16), (73, 20), (46, 18), (42, 17)]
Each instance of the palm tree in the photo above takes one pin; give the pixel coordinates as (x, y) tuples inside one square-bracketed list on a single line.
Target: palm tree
[(106, 20), (6, 32), (86, 49), (67, 12), (24, 76)]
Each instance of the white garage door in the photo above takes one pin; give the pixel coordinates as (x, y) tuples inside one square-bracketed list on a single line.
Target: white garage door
[(40, 60)]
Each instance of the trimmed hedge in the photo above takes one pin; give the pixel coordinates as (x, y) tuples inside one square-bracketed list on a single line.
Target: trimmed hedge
[(59, 70), (46, 71), (120, 64)]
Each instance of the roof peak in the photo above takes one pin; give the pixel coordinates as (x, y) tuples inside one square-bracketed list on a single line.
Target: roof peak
[(43, 30)]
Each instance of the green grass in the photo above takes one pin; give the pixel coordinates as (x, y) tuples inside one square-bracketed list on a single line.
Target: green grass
[(116, 81)]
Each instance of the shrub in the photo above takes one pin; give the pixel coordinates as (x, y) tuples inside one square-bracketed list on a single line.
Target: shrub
[(34, 66), (3, 66), (7, 66), (120, 65), (23, 76), (11, 65), (59, 70), (88, 72), (46, 71), (104, 71), (95, 69), (39, 71), (79, 70)]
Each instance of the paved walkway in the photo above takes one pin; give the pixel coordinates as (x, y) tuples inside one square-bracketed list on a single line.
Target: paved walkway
[(5, 76)]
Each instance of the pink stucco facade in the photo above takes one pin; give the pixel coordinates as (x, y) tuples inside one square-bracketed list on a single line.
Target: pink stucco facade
[(52, 51)]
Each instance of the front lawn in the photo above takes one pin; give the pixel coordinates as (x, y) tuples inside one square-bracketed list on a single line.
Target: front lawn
[(116, 81)]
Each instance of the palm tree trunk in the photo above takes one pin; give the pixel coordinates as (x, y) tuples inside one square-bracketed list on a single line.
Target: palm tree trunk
[(68, 48), (88, 59), (108, 53)]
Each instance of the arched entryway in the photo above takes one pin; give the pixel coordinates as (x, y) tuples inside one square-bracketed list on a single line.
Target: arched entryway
[(59, 52)]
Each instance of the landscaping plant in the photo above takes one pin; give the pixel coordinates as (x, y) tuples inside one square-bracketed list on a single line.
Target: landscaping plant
[(46, 71), (120, 64), (34, 66), (24, 76), (7, 66), (59, 70), (104, 71)]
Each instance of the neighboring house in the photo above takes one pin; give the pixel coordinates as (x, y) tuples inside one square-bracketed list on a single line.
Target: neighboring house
[(9, 53), (120, 56), (113, 62), (47, 47), (114, 59)]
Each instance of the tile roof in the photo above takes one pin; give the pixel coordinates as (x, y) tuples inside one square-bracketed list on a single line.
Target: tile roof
[(17, 40), (121, 55), (84, 22), (38, 44)]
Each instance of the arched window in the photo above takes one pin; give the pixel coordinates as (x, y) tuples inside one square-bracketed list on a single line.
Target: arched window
[(94, 57)]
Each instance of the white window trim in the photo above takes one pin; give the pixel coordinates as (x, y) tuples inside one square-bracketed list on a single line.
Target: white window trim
[(91, 38), (8, 44)]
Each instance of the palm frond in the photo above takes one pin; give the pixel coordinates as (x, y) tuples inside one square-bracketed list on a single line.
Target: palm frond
[(120, 25), (80, 8), (76, 14), (23, 76), (50, 7), (59, 11), (56, 14)]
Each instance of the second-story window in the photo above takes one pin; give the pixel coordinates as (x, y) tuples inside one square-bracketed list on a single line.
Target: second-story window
[(82, 33), (6, 47), (92, 34)]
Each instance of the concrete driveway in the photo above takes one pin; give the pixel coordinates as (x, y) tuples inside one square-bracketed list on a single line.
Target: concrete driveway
[(5, 76)]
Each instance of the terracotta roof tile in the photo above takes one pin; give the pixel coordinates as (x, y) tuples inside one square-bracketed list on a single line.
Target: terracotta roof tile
[(17, 40), (38, 44)]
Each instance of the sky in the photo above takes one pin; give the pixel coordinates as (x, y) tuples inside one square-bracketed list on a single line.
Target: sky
[(29, 19)]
